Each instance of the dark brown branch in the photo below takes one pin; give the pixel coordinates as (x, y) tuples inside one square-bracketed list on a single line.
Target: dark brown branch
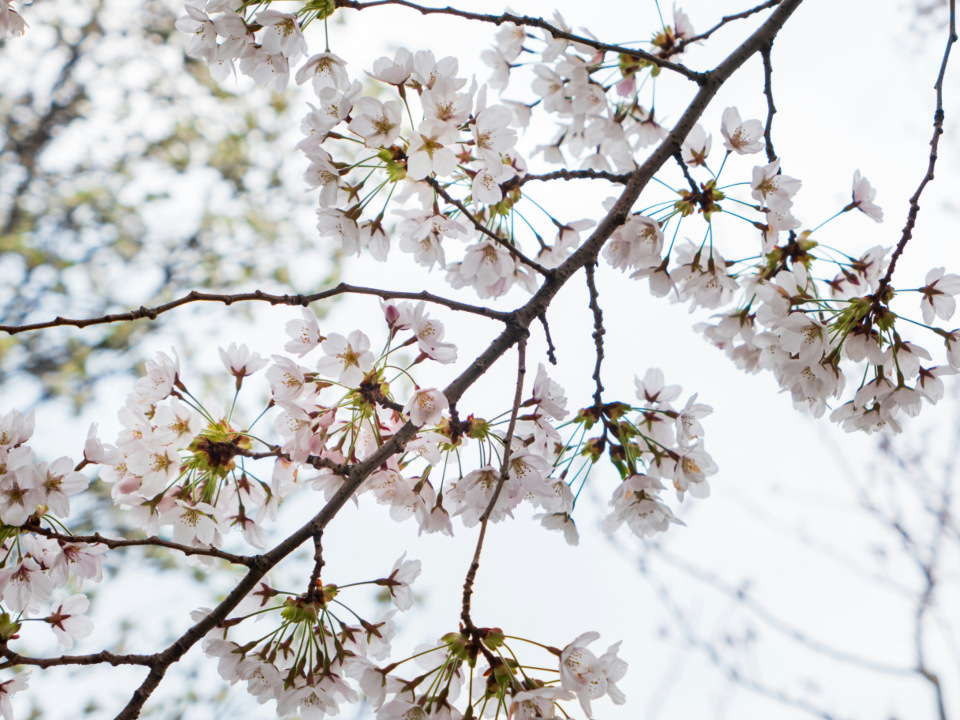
[(575, 175), (598, 333), (682, 45), (303, 300), (551, 350), (313, 460), (97, 538), (768, 91), (678, 156), (313, 589), (504, 474), (934, 143), (14, 659), (526, 21), (509, 247)]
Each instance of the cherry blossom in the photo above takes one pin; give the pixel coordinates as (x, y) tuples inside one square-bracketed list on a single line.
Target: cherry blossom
[(378, 123), (426, 407), (742, 137), (398, 582), (863, 195), (67, 620), (16, 684), (281, 34), (430, 152), (938, 295), (58, 481), (772, 188), (324, 70), (349, 358), (429, 334), (240, 362), (305, 333), (11, 25)]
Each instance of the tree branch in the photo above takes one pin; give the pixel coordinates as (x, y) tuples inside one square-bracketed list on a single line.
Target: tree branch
[(97, 538), (678, 156), (598, 333), (682, 45), (572, 175), (768, 91), (938, 117), (504, 474), (14, 659), (551, 350), (526, 21), (509, 247), (303, 300), (313, 588)]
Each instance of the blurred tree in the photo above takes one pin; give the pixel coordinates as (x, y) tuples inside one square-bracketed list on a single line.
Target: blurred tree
[(126, 176)]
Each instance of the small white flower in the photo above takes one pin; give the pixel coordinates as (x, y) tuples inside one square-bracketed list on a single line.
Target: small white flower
[(742, 137), (398, 582), (863, 195), (772, 188), (426, 407), (347, 358), (305, 333), (938, 295), (430, 151), (67, 619), (240, 362)]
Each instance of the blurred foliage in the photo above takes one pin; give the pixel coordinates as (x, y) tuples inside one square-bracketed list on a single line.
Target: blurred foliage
[(128, 177)]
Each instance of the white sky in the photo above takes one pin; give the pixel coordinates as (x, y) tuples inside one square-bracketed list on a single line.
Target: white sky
[(853, 87)]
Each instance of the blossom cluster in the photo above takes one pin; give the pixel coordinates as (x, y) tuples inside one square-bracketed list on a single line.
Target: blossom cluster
[(313, 663), (36, 569), (188, 467), (778, 310)]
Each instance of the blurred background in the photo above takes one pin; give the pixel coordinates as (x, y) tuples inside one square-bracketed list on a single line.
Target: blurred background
[(822, 578)]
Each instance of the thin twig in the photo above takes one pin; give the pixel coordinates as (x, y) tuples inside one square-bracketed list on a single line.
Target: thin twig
[(768, 91), (686, 173), (934, 142), (14, 659), (303, 300), (509, 247), (504, 474), (313, 460), (682, 45), (526, 21), (551, 350), (313, 589), (572, 175), (98, 539), (598, 333)]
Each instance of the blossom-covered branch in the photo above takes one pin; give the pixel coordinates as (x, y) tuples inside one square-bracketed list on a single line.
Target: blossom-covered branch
[(558, 33), (98, 539), (257, 295)]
